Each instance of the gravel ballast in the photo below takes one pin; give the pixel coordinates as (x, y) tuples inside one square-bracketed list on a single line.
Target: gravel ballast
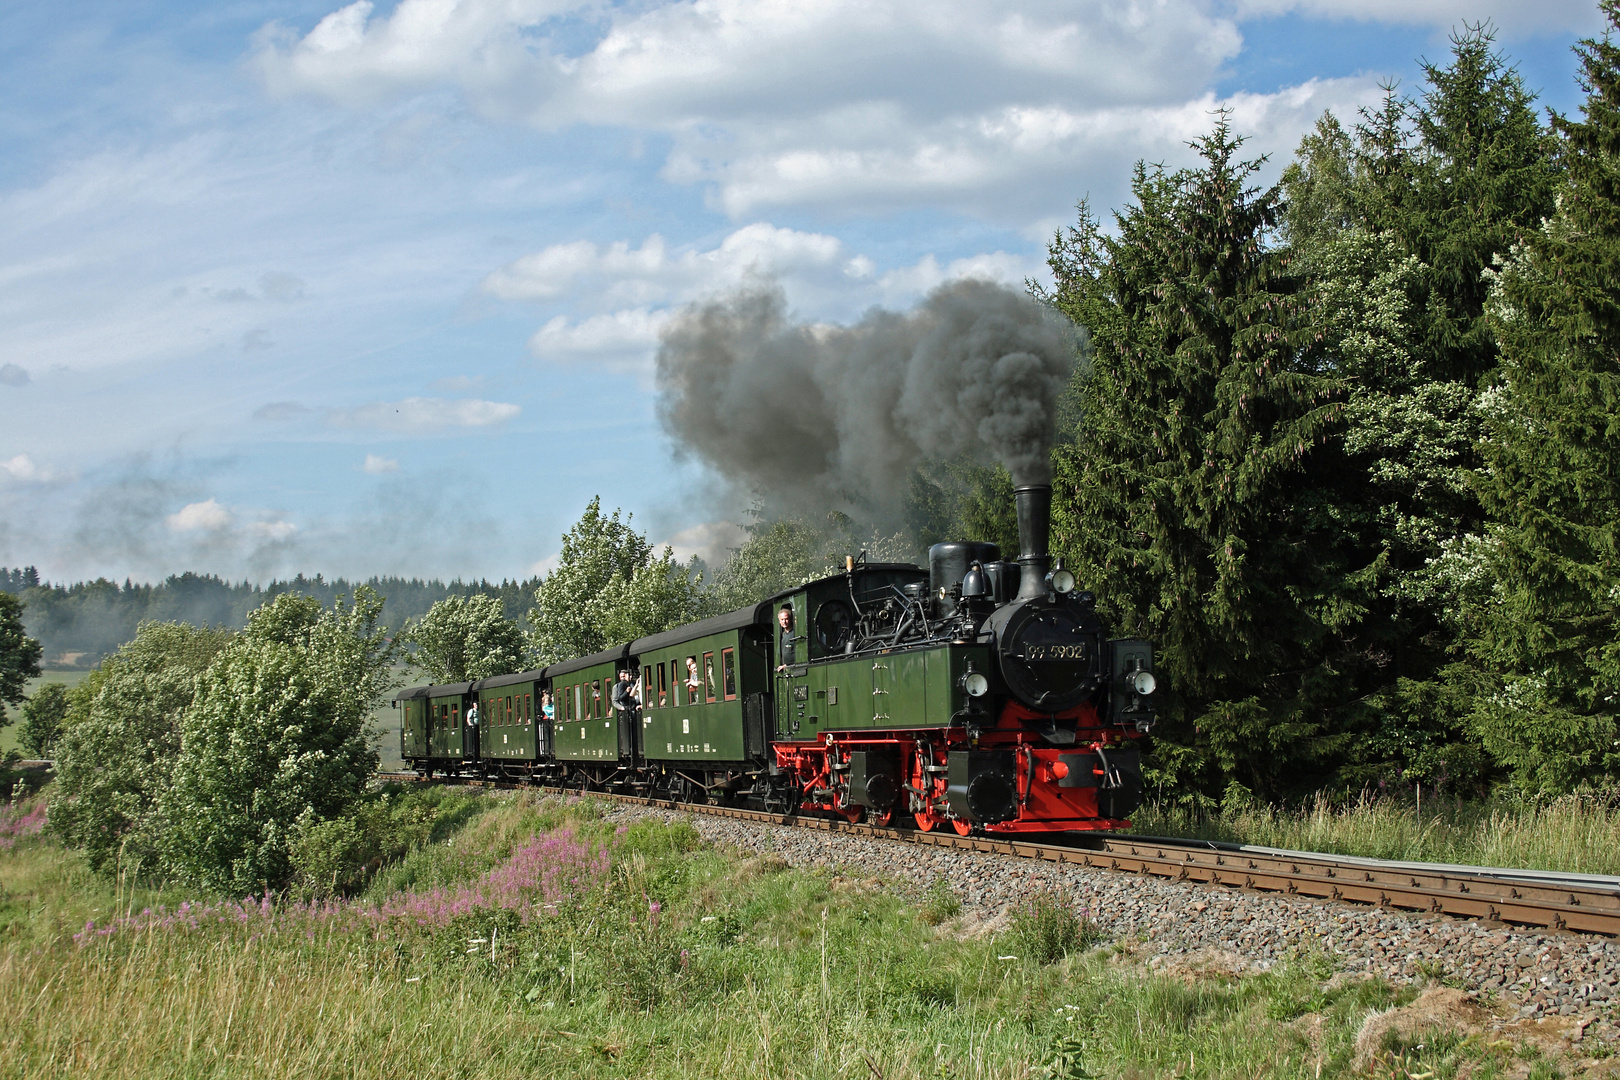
[(1531, 973)]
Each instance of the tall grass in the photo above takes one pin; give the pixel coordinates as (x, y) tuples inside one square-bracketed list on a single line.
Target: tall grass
[(509, 950), (1575, 834)]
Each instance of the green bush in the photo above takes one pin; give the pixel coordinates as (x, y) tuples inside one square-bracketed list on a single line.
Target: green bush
[(116, 752), (341, 856), (43, 714), (276, 741)]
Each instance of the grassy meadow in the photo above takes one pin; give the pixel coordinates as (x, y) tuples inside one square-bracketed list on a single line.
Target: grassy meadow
[(529, 936)]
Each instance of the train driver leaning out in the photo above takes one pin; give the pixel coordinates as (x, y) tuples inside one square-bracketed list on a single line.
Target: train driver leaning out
[(785, 652)]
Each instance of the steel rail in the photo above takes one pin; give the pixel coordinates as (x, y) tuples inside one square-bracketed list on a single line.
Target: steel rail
[(1582, 903)]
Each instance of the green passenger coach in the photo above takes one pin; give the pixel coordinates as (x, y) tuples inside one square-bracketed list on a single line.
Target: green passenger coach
[(700, 685), (512, 728), (587, 729)]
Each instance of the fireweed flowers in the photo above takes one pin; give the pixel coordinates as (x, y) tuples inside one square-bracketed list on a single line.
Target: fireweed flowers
[(536, 879), (17, 822)]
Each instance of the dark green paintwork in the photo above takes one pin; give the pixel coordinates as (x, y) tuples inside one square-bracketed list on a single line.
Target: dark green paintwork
[(508, 737), (903, 688), (700, 730), (413, 736), (447, 725), (595, 736)]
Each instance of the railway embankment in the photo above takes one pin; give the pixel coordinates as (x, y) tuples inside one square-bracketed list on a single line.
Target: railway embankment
[(1567, 985)]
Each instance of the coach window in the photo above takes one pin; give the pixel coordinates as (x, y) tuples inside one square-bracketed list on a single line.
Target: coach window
[(728, 673), (708, 676), (455, 716), (528, 709)]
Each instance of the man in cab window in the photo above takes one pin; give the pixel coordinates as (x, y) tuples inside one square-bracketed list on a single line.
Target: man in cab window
[(785, 651)]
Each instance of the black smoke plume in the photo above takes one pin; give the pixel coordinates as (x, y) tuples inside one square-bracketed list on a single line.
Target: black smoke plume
[(812, 414)]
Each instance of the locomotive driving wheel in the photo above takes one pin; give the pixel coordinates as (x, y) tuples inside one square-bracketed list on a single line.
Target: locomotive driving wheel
[(932, 785)]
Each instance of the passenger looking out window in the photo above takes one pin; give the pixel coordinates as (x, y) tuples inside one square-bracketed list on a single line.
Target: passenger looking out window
[(694, 682)]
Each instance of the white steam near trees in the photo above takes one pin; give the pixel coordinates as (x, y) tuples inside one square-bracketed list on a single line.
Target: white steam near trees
[(826, 415)]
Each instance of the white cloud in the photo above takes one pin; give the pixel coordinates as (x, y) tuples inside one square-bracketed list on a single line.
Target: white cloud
[(651, 272), (376, 464), (842, 103), (417, 414), (206, 516), (616, 333), (23, 470), (818, 272), (711, 541)]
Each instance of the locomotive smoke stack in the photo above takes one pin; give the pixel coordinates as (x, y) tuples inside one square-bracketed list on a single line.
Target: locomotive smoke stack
[(1034, 505)]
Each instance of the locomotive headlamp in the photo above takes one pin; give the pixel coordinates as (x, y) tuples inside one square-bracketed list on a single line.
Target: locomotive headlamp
[(1060, 581), (975, 684), (1144, 683)]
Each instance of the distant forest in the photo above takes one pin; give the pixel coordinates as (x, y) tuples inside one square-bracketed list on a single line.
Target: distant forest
[(79, 624)]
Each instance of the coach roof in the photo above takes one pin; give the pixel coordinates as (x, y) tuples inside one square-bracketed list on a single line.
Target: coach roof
[(449, 689), (510, 680), (752, 615), (604, 657)]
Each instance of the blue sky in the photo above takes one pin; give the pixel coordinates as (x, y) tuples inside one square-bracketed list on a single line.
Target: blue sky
[(375, 288)]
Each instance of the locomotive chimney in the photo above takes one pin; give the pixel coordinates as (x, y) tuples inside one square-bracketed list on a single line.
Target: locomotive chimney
[(1034, 503)]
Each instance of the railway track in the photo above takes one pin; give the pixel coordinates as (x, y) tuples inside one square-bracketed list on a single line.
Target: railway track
[(1582, 903)]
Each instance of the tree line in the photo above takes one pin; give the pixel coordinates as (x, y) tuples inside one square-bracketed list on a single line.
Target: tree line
[(78, 624)]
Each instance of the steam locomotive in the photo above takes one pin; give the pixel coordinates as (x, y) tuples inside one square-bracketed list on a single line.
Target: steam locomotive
[(979, 694)]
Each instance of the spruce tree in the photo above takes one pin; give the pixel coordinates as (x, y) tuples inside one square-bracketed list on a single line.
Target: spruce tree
[(1551, 630), (1180, 503), (1395, 224)]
